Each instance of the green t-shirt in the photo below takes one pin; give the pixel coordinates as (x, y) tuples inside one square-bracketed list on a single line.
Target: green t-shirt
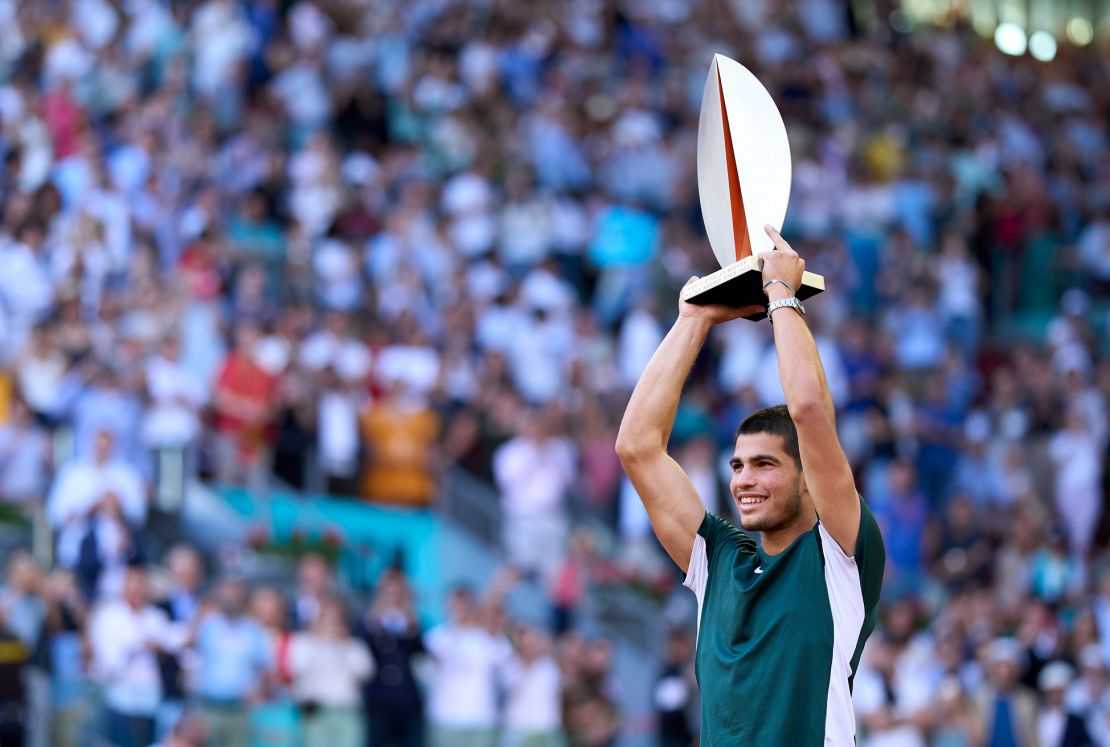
[(779, 637)]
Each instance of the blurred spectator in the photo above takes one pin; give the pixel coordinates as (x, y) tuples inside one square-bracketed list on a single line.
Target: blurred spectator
[(393, 697), (1007, 708), (67, 616), (469, 665), (25, 457), (534, 471), (97, 505), (177, 394), (1056, 726), (954, 719), (328, 666), (181, 603), (399, 433), (674, 696), (235, 662), (533, 711), (125, 637), (1075, 450), (267, 608), (315, 582), (244, 400)]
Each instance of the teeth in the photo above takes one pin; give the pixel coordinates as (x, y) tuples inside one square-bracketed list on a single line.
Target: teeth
[(750, 501)]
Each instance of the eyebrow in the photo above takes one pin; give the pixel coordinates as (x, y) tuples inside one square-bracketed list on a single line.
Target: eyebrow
[(737, 461)]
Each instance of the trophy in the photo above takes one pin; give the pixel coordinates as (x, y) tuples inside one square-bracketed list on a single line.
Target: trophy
[(743, 183)]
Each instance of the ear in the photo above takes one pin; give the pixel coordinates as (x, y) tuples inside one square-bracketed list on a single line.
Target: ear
[(802, 482)]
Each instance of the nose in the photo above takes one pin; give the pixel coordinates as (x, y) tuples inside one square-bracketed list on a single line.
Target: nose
[(744, 478)]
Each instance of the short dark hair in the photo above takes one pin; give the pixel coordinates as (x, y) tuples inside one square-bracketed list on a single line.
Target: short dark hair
[(777, 422)]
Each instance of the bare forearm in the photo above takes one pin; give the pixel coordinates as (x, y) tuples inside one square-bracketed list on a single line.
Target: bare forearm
[(651, 410), (800, 369)]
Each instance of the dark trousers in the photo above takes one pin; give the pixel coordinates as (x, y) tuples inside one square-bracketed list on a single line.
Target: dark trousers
[(394, 727), (130, 731)]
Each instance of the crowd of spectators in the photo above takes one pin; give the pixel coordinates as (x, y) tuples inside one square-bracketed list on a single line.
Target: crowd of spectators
[(347, 245)]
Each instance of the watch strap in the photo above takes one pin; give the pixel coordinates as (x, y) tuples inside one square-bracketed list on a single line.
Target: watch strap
[(790, 301)]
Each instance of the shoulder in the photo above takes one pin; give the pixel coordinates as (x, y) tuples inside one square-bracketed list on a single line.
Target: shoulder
[(719, 533)]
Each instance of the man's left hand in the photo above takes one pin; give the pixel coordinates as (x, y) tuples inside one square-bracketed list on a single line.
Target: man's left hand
[(782, 263)]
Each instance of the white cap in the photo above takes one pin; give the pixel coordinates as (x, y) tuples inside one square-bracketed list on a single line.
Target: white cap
[(1005, 650), (1055, 676)]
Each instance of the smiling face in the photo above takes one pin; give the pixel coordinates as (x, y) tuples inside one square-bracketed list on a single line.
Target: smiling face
[(766, 484)]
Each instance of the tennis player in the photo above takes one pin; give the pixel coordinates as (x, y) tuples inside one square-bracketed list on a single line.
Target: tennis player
[(782, 623)]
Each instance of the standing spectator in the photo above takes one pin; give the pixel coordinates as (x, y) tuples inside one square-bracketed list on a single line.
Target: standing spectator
[(674, 696), (1056, 725), (1075, 452), (393, 698), (469, 665), (96, 505), (533, 710), (181, 604), (328, 666), (22, 614), (24, 458), (67, 618), (315, 581), (244, 401), (172, 420), (267, 607), (1007, 708), (233, 665), (399, 434), (533, 471), (39, 372), (337, 442), (955, 722), (125, 637)]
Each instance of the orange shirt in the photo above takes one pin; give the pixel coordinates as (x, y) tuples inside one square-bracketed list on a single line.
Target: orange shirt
[(399, 442)]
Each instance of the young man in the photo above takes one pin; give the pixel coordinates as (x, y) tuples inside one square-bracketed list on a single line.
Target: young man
[(781, 625)]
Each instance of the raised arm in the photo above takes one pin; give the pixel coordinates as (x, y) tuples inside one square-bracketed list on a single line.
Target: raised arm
[(673, 506), (827, 474)]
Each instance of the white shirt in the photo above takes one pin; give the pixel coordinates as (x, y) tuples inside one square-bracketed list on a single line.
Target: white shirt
[(533, 476), (640, 335), (122, 661), (337, 433), (177, 394), (1050, 726), (535, 700), (349, 357), (329, 672), (469, 662), (79, 486)]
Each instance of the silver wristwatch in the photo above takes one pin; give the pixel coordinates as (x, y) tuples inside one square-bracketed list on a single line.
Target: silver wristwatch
[(790, 301)]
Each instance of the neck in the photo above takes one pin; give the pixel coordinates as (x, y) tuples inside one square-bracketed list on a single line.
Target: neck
[(775, 541)]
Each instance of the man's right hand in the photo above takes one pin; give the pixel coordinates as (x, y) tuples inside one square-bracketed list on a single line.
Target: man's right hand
[(715, 313)]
